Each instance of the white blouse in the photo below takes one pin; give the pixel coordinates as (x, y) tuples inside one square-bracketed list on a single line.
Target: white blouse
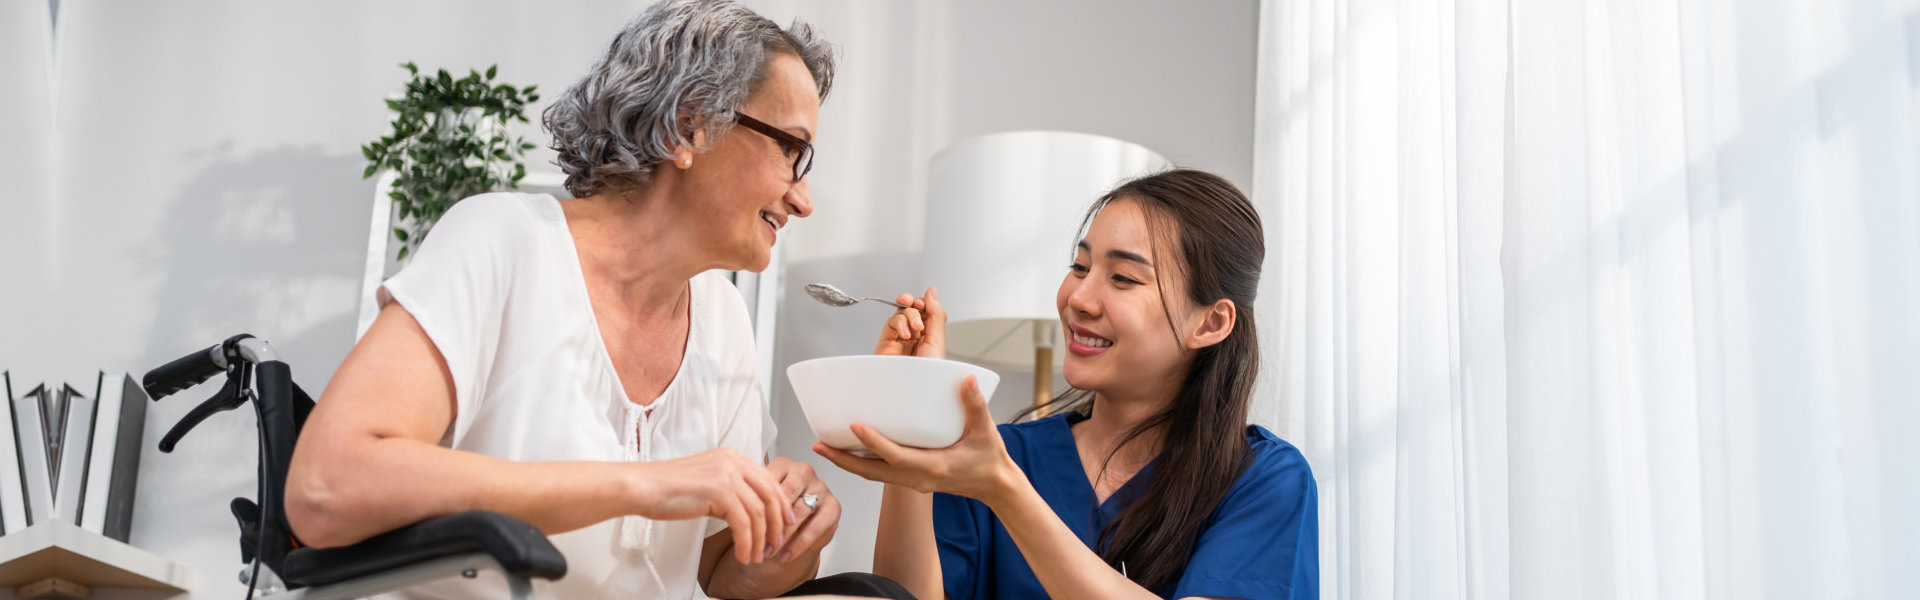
[(499, 289)]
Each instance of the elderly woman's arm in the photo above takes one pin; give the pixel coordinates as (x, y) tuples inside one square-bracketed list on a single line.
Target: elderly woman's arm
[(368, 461)]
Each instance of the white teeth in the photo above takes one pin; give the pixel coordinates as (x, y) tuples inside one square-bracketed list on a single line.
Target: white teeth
[(769, 219), (1095, 342)]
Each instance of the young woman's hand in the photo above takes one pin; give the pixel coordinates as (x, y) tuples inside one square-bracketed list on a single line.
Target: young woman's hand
[(977, 466), (919, 330)]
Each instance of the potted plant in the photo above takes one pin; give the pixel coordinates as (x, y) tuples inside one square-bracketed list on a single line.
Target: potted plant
[(449, 141)]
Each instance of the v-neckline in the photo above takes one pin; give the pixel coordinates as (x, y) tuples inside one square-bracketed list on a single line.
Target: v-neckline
[(1122, 496), (600, 338)]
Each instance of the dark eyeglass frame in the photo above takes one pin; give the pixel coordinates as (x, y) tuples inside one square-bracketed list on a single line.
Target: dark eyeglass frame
[(802, 161)]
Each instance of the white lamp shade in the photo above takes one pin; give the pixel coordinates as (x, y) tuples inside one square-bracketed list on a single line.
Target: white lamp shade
[(1003, 214)]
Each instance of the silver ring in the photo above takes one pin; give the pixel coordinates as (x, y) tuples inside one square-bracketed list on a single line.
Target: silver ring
[(811, 500)]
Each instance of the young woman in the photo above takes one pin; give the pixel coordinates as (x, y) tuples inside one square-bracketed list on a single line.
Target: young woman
[(1149, 482)]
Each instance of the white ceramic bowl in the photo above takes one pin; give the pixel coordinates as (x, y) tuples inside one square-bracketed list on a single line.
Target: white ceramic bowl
[(913, 401)]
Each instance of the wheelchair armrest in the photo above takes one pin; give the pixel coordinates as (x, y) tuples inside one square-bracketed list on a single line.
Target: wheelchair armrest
[(519, 547)]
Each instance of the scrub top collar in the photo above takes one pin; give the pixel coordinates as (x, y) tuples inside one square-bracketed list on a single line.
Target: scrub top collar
[(1063, 452)]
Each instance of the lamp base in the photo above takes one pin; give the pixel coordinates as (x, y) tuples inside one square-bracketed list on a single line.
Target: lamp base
[(1042, 379)]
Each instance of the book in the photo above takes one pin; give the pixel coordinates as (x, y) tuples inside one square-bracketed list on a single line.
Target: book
[(70, 462), (13, 511), (69, 456), (114, 462), (106, 422), (36, 468)]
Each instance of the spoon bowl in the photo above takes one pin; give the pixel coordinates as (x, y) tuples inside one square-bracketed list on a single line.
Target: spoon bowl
[(828, 294)]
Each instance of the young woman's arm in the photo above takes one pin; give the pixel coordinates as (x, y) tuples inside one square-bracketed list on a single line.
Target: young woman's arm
[(1065, 566), (904, 549), (979, 467)]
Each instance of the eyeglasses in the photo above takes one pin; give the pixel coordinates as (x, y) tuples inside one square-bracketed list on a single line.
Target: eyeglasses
[(799, 149)]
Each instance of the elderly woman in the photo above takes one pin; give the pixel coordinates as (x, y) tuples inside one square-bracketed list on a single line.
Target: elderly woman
[(576, 363)]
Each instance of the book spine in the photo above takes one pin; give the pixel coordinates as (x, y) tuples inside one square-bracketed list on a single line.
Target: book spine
[(13, 510), (118, 519), (36, 472), (70, 481), (106, 427)]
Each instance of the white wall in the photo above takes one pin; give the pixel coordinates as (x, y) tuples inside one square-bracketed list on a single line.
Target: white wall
[(26, 119), (207, 177)]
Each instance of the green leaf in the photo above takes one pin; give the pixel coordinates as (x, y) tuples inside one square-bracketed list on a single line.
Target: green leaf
[(449, 140), (403, 253)]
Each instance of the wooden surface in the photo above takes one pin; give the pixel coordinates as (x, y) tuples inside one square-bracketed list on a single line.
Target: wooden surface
[(60, 549)]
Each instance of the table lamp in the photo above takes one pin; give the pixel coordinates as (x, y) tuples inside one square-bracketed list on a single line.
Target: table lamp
[(1003, 214)]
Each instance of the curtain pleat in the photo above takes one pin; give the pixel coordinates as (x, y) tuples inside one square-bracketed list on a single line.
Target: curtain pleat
[(1597, 299)]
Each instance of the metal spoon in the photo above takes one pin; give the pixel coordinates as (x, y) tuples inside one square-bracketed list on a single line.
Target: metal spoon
[(832, 296)]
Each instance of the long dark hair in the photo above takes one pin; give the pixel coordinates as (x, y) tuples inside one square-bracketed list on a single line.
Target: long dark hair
[(1203, 431)]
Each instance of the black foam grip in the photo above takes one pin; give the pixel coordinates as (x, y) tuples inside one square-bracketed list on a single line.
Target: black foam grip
[(182, 373)]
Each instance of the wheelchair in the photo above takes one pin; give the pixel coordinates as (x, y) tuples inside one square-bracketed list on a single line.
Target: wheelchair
[(276, 564)]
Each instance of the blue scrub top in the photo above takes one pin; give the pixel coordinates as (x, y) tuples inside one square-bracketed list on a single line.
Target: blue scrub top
[(1261, 542)]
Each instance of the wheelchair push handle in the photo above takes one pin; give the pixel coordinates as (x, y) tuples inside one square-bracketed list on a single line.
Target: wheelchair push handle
[(196, 368), (184, 372), (238, 357)]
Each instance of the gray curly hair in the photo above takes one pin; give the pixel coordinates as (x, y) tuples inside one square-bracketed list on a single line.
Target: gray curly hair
[(680, 67)]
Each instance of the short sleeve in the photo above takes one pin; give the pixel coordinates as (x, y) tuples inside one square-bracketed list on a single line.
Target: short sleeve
[(455, 287), (961, 528), (1263, 541)]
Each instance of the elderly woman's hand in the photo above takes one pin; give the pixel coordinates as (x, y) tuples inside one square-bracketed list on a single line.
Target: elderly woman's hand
[(977, 466), (720, 483), (814, 514), (919, 330)]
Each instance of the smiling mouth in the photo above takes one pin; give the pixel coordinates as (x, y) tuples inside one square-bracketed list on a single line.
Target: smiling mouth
[(771, 223), (1095, 342), (1086, 344)]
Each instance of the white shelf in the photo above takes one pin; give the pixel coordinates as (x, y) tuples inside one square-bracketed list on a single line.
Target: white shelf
[(60, 549)]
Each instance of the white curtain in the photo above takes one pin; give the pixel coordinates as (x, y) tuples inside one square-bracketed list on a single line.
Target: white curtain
[(1597, 299)]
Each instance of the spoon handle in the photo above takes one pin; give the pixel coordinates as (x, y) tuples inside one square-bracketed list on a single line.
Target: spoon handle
[(886, 302)]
